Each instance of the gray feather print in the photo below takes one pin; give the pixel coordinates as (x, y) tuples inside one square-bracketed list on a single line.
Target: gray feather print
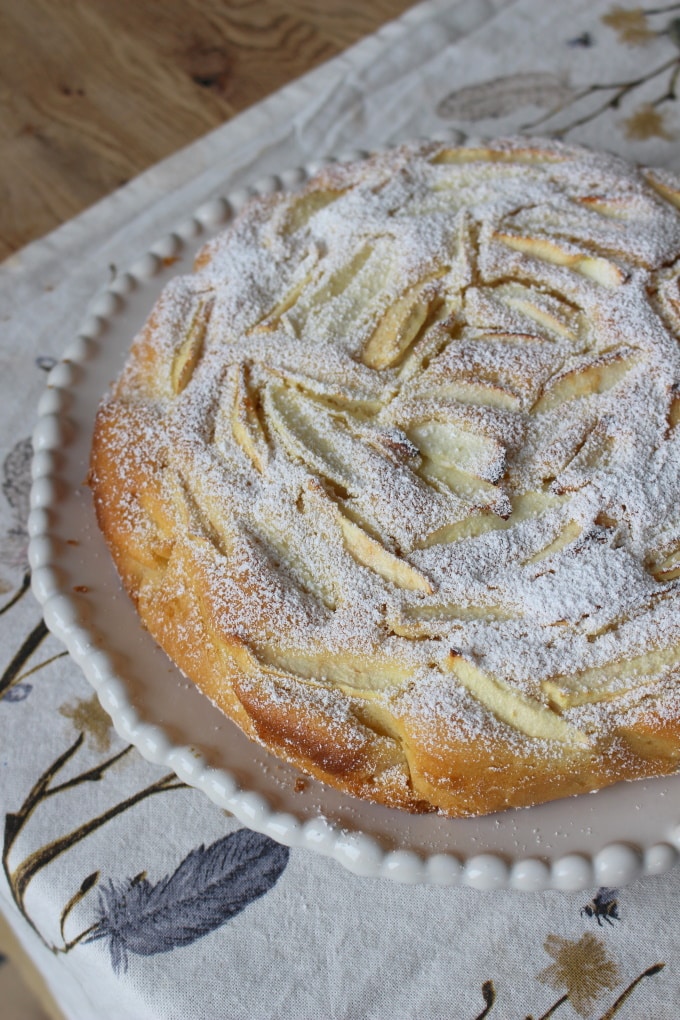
[(209, 887), (501, 96), (16, 486)]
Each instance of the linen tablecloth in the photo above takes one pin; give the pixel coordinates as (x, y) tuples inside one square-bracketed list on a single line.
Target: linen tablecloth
[(133, 894)]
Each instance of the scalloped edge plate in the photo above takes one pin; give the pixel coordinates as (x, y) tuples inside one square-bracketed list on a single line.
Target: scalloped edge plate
[(608, 838)]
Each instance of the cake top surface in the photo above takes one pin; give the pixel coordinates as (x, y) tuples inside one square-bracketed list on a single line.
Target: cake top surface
[(422, 421)]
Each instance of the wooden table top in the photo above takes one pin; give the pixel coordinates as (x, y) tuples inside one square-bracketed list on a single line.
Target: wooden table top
[(92, 92)]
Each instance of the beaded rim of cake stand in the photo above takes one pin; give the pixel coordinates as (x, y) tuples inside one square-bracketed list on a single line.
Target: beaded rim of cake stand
[(65, 612)]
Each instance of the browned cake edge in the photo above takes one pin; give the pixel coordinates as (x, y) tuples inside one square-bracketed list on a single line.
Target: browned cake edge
[(396, 760), (354, 744)]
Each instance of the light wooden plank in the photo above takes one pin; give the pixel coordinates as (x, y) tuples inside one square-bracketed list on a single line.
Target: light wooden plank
[(94, 92)]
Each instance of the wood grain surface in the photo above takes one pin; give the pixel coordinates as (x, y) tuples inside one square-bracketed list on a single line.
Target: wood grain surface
[(94, 91)]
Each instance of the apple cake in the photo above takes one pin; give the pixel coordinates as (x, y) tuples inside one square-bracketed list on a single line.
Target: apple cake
[(394, 475)]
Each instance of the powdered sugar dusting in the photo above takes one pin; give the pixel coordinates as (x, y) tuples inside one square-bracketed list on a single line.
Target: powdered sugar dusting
[(508, 438)]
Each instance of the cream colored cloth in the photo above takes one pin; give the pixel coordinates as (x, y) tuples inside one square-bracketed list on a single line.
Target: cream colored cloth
[(158, 907)]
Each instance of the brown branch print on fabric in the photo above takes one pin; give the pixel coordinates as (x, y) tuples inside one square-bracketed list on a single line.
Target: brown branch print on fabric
[(489, 996), (650, 972), (13, 673), (21, 591), (618, 90), (19, 876)]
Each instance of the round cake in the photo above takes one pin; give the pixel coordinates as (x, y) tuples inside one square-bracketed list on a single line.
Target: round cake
[(393, 476)]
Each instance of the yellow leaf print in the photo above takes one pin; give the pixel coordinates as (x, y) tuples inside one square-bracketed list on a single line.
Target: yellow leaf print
[(630, 25), (582, 968), (646, 122), (88, 715)]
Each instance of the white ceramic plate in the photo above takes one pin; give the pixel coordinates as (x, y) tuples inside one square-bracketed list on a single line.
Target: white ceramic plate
[(607, 838)]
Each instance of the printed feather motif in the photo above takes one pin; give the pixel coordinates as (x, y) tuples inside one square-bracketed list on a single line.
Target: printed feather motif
[(16, 487), (502, 96), (209, 886)]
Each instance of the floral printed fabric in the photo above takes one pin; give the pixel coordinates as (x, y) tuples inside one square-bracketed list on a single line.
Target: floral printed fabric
[(132, 893)]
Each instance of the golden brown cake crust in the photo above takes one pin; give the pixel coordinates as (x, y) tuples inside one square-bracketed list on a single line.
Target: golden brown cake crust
[(393, 475)]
